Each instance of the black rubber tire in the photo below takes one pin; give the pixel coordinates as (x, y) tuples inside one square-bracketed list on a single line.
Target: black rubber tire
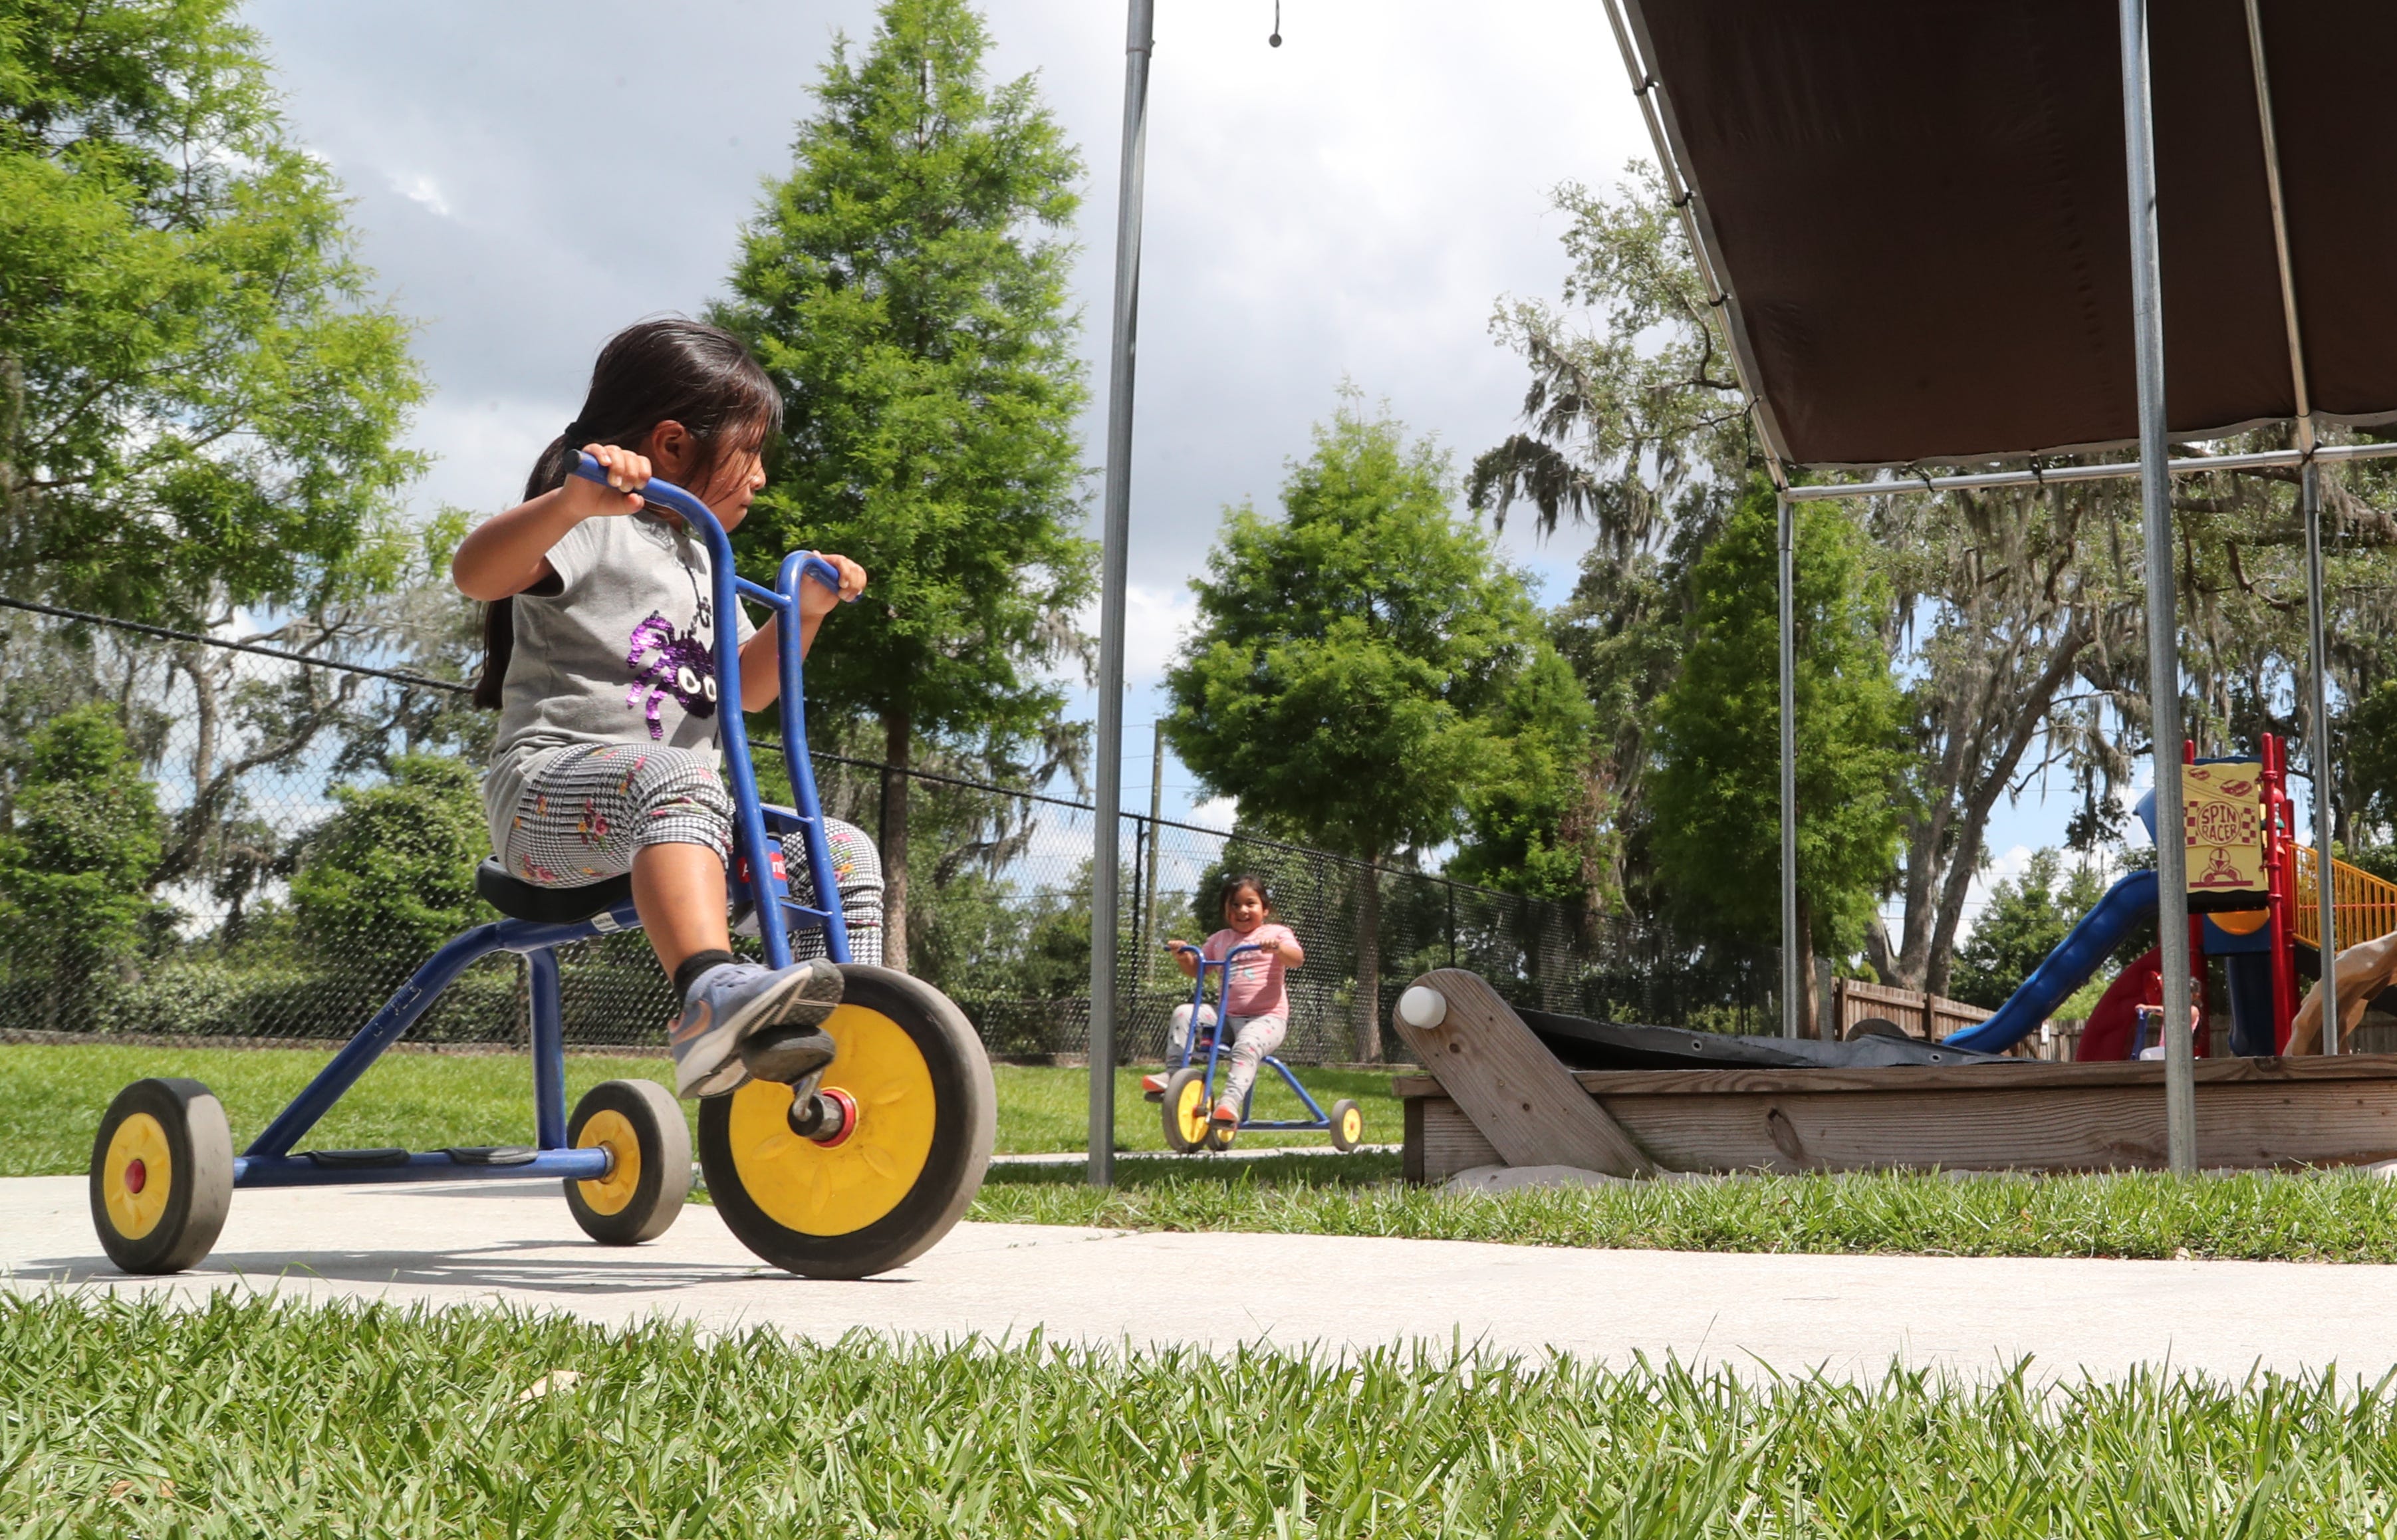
[(1339, 1114), (964, 1124), (661, 1182), (198, 1147), (1175, 1140)]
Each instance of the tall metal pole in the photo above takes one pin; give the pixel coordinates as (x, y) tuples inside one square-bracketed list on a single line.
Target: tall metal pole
[(1792, 942), (1115, 541), (2325, 870), (2309, 506), (2163, 627)]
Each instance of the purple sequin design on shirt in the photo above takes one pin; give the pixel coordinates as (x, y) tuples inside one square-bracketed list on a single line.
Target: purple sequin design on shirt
[(685, 668)]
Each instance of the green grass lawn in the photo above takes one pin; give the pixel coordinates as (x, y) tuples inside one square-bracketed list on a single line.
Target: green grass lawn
[(249, 1417), (2326, 1216), (51, 1099)]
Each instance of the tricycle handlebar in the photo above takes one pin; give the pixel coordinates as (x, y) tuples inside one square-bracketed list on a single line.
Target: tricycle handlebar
[(749, 836), (669, 496)]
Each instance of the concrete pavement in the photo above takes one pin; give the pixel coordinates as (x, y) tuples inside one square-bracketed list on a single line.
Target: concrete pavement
[(465, 1243)]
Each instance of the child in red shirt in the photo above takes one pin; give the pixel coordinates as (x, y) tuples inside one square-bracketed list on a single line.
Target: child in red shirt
[(1256, 1005)]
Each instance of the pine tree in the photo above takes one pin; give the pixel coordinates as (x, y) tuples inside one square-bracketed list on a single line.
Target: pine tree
[(906, 287), (1715, 787)]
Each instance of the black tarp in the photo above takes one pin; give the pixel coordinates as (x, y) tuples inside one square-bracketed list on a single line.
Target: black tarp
[(1920, 209)]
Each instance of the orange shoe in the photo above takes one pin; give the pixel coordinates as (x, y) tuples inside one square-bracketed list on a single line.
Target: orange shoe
[(1152, 1085), (1225, 1113)]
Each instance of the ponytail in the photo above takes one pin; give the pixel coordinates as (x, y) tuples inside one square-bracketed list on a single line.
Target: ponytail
[(668, 370)]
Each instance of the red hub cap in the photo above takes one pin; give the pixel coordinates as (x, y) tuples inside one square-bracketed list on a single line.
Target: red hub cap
[(136, 1176), (847, 1117)]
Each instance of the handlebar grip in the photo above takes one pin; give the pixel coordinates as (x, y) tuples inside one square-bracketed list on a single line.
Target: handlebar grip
[(824, 572), (587, 468)]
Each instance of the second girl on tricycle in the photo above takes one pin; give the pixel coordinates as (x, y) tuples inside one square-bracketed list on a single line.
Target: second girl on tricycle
[(1256, 1003)]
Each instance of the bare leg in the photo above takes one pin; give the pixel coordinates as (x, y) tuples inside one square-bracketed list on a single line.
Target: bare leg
[(679, 891)]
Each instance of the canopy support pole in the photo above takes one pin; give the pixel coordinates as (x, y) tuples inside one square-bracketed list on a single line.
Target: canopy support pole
[(2112, 470), (1792, 956), (2163, 627), (2309, 506), (1114, 560), (2309, 498)]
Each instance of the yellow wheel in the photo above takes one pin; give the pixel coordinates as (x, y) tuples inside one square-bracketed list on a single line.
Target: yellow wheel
[(1185, 1110), (641, 1126), (1347, 1125), (161, 1175), (919, 1114)]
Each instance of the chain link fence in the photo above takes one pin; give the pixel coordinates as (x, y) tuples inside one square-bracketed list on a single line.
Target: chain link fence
[(259, 841)]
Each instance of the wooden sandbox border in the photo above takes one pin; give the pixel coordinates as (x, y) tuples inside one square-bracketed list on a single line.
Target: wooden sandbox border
[(2023, 1116)]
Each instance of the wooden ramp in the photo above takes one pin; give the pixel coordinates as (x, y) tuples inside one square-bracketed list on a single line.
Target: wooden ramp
[(1475, 1108)]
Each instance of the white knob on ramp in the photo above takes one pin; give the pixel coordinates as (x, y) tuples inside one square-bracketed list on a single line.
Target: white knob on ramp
[(1423, 1008)]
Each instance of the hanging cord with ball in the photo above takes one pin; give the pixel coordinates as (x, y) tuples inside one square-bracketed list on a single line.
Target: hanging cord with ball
[(1276, 38)]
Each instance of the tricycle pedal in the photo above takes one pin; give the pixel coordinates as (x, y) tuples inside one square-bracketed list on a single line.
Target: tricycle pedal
[(787, 1054)]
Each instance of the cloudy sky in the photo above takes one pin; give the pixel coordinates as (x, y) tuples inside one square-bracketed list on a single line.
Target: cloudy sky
[(531, 176)]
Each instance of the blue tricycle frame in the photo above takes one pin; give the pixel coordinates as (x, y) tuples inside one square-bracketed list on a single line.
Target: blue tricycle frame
[(269, 1162), (190, 1123), (1318, 1121)]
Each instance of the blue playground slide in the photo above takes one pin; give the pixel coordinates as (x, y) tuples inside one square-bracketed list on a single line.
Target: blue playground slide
[(2067, 969)]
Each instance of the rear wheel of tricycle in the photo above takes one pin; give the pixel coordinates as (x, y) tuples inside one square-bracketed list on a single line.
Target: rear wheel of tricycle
[(1185, 1110), (161, 1175), (920, 1111), (640, 1125), (1347, 1125)]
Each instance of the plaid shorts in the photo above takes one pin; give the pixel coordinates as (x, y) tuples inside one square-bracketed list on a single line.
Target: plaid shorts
[(584, 812), (588, 810)]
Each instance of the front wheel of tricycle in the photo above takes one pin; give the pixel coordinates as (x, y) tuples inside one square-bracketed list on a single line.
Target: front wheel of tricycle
[(161, 1175), (1186, 1109), (909, 1070)]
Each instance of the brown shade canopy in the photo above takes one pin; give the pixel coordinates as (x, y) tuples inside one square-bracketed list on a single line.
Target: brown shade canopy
[(1919, 211)]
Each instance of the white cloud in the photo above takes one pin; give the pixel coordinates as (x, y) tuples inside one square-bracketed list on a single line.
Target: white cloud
[(484, 449), (1216, 813), (418, 188), (1156, 620)]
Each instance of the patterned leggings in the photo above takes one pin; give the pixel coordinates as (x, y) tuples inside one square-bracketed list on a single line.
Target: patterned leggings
[(586, 811), (1251, 1039)]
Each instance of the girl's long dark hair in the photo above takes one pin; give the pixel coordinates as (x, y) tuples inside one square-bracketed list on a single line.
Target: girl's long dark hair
[(656, 371)]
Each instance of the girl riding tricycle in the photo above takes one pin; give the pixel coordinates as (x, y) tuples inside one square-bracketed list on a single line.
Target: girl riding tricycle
[(1248, 959), (846, 1110)]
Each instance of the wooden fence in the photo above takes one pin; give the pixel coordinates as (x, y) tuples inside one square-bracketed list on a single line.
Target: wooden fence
[(1920, 1015)]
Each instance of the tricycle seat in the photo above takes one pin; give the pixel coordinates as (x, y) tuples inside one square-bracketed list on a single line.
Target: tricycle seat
[(520, 900)]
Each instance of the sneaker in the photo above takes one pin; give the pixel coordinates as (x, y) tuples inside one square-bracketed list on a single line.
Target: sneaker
[(731, 1003), (1152, 1085), (1225, 1113)]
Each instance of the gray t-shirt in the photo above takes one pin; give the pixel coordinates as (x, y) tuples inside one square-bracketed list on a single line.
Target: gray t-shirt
[(621, 651)]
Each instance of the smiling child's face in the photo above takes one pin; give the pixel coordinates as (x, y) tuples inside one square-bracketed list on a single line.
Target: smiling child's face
[(1245, 909)]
